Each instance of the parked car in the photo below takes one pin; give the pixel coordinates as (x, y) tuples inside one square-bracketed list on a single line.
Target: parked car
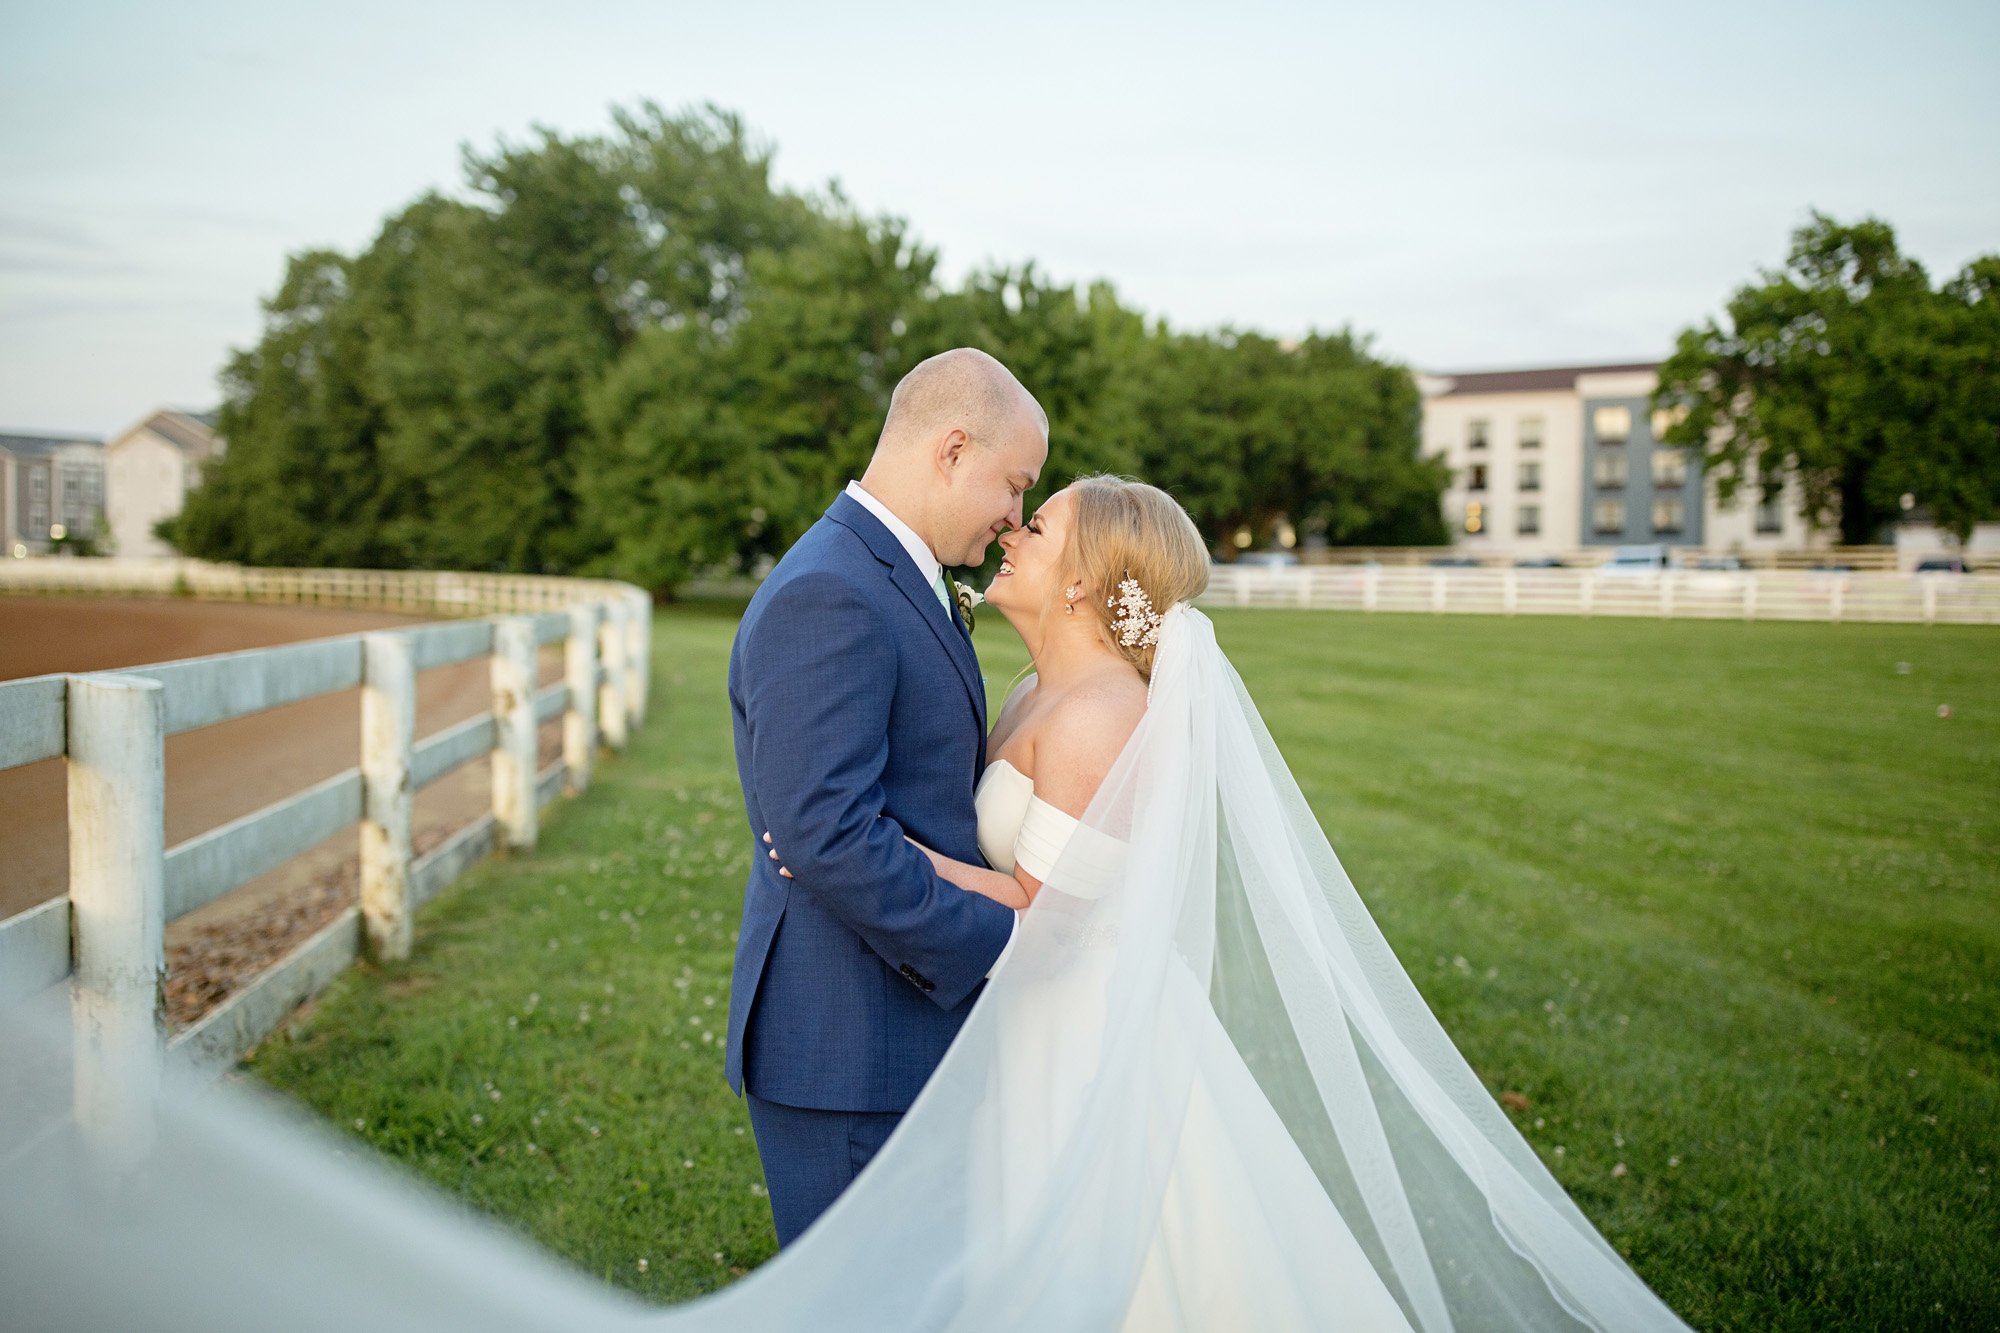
[(1267, 559), (1831, 567), (1455, 562), (1719, 563), (1539, 562), (1943, 565), (1630, 560)]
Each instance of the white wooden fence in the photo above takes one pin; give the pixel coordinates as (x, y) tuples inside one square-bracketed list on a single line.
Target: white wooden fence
[(1764, 594), (105, 938)]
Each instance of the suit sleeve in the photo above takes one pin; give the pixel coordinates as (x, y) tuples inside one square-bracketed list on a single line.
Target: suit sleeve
[(819, 675)]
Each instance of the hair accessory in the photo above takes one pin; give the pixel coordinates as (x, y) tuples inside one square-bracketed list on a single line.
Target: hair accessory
[(1136, 622)]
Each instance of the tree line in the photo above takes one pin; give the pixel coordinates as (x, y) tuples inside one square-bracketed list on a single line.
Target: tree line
[(632, 354)]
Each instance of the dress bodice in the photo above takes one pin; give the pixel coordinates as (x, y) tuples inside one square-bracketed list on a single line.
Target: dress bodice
[(1015, 826), (1019, 828)]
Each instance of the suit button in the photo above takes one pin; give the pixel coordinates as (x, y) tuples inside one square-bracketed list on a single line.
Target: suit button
[(909, 971)]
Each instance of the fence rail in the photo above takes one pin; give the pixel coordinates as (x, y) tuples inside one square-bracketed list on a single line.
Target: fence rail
[(1958, 599), (1883, 557), (106, 936)]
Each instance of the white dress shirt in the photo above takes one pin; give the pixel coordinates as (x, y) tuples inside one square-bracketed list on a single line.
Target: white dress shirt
[(932, 569), (927, 564)]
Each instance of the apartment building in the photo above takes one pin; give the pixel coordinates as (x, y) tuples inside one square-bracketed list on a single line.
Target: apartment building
[(1557, 459)]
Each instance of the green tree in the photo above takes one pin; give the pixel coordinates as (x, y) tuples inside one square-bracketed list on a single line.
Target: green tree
[(717, 441), (1847, 371), (1249, 431), (424, 402)]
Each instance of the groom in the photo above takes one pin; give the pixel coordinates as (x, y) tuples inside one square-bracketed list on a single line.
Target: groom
[(860, 717)]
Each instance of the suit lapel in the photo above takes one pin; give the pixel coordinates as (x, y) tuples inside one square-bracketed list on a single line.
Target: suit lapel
[(909, 581)]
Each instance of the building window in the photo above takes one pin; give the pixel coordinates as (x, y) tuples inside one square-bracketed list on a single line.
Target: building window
[(1609, 471), (1613, 424), (1475, 516), (1531, 432), (1769, 519), (1476, 477), (39, 488), (1608, 516), (1531, 476), (1475, 434), (1669, 512), (1666, 418), (1530, 521), (1670, 467), (72, 494)]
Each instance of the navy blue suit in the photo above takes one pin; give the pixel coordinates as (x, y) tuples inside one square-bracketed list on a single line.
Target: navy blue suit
[(860, 716)]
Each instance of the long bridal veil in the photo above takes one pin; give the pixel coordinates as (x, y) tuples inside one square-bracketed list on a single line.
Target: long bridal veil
[(1202, 1090)]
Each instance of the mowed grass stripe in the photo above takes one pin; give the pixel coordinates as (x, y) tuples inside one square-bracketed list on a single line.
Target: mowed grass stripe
[(1718, 900)]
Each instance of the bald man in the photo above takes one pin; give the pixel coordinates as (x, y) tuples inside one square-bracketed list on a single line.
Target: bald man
[(860, 716)]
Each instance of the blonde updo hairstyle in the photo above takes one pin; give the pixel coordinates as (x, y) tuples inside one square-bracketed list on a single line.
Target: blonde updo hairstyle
[(1125, 529)]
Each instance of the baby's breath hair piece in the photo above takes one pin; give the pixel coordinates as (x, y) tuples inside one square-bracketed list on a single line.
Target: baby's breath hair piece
[(1136, 623)]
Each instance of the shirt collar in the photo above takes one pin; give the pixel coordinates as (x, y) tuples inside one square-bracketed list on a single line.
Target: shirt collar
[(920, 554)]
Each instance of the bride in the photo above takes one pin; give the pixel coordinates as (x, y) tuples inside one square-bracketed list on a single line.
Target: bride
[(1199, 1093)]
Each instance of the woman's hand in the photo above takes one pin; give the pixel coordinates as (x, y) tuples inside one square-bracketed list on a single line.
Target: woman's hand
[(1003, 889)]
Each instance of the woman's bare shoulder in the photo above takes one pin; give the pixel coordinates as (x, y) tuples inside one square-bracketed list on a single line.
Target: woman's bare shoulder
[(1081, 736)]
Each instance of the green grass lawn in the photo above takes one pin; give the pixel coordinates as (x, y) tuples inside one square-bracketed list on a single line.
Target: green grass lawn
[(1721, 901)]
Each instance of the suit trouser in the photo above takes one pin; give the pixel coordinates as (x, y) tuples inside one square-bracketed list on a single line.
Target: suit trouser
[(810, 1156)]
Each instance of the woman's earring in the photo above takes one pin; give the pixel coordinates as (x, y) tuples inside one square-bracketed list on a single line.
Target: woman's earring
[(1069, 601)]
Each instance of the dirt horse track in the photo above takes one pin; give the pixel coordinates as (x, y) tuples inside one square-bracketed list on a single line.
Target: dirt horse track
[(222, 772)]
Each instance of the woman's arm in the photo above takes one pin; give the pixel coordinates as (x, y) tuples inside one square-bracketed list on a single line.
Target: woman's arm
[(1016, 890)]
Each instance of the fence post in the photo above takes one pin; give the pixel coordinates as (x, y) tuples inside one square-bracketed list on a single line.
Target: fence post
[(1750, 582), (514, 806), (1371, 585), (1587, 586), (1437, 591), (1510, 590), (638, 610), (611, 717), (1839, 597), (580, 719), (117, 896), (1930, 599), (388, 725), (1667, 594)]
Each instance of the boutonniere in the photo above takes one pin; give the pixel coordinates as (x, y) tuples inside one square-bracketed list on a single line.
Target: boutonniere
[(968, 598)]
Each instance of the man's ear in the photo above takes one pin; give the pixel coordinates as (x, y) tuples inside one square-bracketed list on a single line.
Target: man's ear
[(951, 450)]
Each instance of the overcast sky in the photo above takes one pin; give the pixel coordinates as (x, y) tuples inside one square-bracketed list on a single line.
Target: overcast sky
[(1479, 185)]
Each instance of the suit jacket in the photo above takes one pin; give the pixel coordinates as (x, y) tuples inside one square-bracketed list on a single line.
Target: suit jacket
[(860, 716)]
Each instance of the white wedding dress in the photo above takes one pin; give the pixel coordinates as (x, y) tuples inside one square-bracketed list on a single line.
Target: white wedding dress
[(1226, 1219), (1201, 1093)]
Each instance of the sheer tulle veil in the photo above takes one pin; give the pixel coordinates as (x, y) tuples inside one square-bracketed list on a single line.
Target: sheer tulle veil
[(1199, 1011)]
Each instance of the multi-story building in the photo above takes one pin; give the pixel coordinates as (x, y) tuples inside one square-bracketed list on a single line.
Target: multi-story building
[(1554, 460), (149, 471), (51, 487)]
